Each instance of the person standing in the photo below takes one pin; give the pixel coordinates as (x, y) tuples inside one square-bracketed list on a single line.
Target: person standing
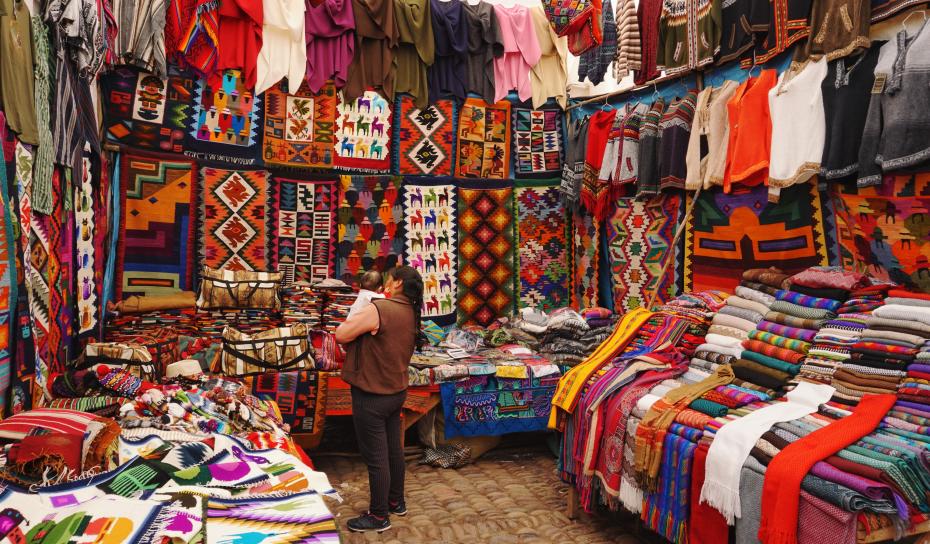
[(380, 339)]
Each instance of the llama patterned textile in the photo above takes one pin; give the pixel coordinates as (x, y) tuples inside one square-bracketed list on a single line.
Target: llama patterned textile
[(363, 133), (431, 245)]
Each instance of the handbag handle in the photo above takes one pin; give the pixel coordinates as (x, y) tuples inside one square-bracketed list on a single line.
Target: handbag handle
[(262, 364)]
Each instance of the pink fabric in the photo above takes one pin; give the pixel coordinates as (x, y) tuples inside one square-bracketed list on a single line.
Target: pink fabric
[(330, 29), (521, 52), (820, 521)]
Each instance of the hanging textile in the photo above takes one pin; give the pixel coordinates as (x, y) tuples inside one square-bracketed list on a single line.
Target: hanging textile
[(8, 289), (225, 122), (538, 142), (486, 255), (425, 137), (88, 246), (586, 248), (484, 140), (299, 127), (370, 224), (430, 207), (363, 133), (232, 219), (299, 229), (60, 266), (544, 250)]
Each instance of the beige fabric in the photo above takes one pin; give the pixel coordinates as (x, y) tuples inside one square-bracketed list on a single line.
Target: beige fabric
[(151, 303), (239, 289), (549, 76), (711, 122)]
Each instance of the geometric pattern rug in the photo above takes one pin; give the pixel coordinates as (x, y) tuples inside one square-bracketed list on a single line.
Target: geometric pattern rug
[(156, 250), (226, 122), (586, 248), (538, 142), (430, 211), (486, 255), (729, 233), (232, 215), (639, 236), (544, 254), (370, 225), (299, 127), (299, 230), (425, 138), (300, 396)]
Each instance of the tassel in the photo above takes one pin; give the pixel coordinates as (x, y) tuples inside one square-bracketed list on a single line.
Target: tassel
[(723, 499), (631, 497)]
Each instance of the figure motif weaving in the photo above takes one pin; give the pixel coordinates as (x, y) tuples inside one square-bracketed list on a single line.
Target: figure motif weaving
[(883, 230), (729, 233), (425, 138), (484, 140), (300, 229), (85, 237), (431, 246), (639, 237), (371, 225), (490, 406), (586, 248), (486, 255), (156, 254), (233, 218), (363, 133), (538, 142), (145, 111), (300, 127), (544, 254), (226, 122)]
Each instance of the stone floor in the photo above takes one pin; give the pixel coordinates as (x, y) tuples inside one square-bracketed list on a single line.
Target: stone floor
[(507, 496)]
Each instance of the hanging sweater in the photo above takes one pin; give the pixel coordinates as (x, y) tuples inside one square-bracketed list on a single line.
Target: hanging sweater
[(448, 76), (284, 46), (649, 150), (777, 24), (736, 35), (484, 45), (750, 132), (549, 75), (675, 130), (594, 192), (895, 137), (330, 42), (839, 27), (798, 126), (240, 39), (628, 45), (521, 52), (593, 63), (573, 168), (415, 49), (628, 164), (648, 13), (375, 42), (846, 90), (706, 158), (689, 32)]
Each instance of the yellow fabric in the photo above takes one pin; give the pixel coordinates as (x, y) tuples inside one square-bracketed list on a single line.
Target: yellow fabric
[(510, 371), (570, 386)]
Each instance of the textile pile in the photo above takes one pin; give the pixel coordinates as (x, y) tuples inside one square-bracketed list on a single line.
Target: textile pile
[(322, 306)]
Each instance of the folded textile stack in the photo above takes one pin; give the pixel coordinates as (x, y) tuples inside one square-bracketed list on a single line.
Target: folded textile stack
[(323, 305), (831, 345), (567, 337)]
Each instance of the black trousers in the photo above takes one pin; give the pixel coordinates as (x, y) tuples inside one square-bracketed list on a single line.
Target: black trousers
[(379, 433)]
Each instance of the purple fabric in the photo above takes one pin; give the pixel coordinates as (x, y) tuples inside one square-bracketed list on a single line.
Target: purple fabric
[(924, 413), (919, 368), (806, 335), (870, 488), (330, 42), (914, 405), (447, 76)]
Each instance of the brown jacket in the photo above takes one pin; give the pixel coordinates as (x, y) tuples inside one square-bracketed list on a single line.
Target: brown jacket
[(378, 363)]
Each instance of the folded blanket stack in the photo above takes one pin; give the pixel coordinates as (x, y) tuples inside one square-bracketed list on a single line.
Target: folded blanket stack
[(566, 337)]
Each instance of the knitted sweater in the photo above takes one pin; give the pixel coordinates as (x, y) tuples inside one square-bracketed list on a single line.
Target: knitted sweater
[(675, 131), (593, 63), (628, 45), (689, 34)]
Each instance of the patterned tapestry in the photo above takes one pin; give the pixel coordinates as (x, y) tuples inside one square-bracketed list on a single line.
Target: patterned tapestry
[(425, 138), (226, 122), (300, 395), (144, 111), (301, 517), (8, 280), (299, 128), (300, 228), (232, 215), (639, 236), (490, 406), (370, 224), (363, 133), (86, 236), (60, 268), (883, 230), (543, 241), (484, 140), (486, 255), (156, 249), (538, 142), (586, 249), (431, 244), (729, 233)]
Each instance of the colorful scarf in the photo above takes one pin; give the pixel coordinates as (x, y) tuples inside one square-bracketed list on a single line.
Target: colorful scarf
[(780, 341), (808, 301)]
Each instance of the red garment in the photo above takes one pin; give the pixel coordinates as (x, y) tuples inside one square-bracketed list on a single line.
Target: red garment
[(706, 524), (901, 293), (782, 487), (240, 39), (594, 193), (750, 132)]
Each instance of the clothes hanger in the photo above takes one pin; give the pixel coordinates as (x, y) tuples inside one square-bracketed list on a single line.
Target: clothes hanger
[(655, 92), (911, 14)]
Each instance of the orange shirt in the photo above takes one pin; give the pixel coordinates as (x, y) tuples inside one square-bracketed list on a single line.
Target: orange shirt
[(750, 132)]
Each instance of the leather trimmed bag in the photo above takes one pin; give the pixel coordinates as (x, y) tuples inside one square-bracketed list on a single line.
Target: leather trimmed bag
[(239, 289), (280, 349), (133, 357)]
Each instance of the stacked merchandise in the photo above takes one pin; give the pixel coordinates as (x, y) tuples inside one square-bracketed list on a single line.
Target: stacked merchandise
[(566, 337), (323, 305)]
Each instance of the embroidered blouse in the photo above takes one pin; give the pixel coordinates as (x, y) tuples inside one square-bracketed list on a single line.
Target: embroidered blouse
[(750, 132), (706, 159), (284, 46), (689, 34), (484, 45), (330, 42), (521, 52), (416, 49), (549, 76)]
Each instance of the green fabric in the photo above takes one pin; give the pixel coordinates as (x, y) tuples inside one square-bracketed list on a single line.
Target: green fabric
[(772, 362), (709, 407), (45, 154), (889, 467)]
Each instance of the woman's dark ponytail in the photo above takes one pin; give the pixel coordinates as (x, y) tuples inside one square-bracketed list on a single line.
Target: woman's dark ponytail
[(412, 288)]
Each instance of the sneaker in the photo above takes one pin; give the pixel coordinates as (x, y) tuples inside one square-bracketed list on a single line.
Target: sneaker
[(399, 509), (368, 522)]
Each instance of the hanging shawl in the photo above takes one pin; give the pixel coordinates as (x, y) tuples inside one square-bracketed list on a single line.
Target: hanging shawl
[(594, 62), (330, 42), (375, 42), (447, 75), (416, 48)]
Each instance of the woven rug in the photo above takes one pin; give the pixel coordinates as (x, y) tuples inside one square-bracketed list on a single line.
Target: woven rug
[(143, 111), (232, 217), (486, 255), (430, 208), (226, 122), (87, 243), (425, 138), (363, 133), (483, 140), (8, 288), (302, 517), (370, 225), (300, 228), (491, 406), (586, 248), (538, 142), (883, 230), (729, 233), (639, 237), (299, 128), (300, 395), (60, 266), (156, 252), (543, 240)]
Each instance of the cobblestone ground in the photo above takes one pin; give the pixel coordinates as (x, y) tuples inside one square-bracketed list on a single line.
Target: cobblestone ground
[(505, 497)]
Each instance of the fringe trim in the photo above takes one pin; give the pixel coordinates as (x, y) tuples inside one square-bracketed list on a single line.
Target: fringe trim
[(723, 499), (631, 497)]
